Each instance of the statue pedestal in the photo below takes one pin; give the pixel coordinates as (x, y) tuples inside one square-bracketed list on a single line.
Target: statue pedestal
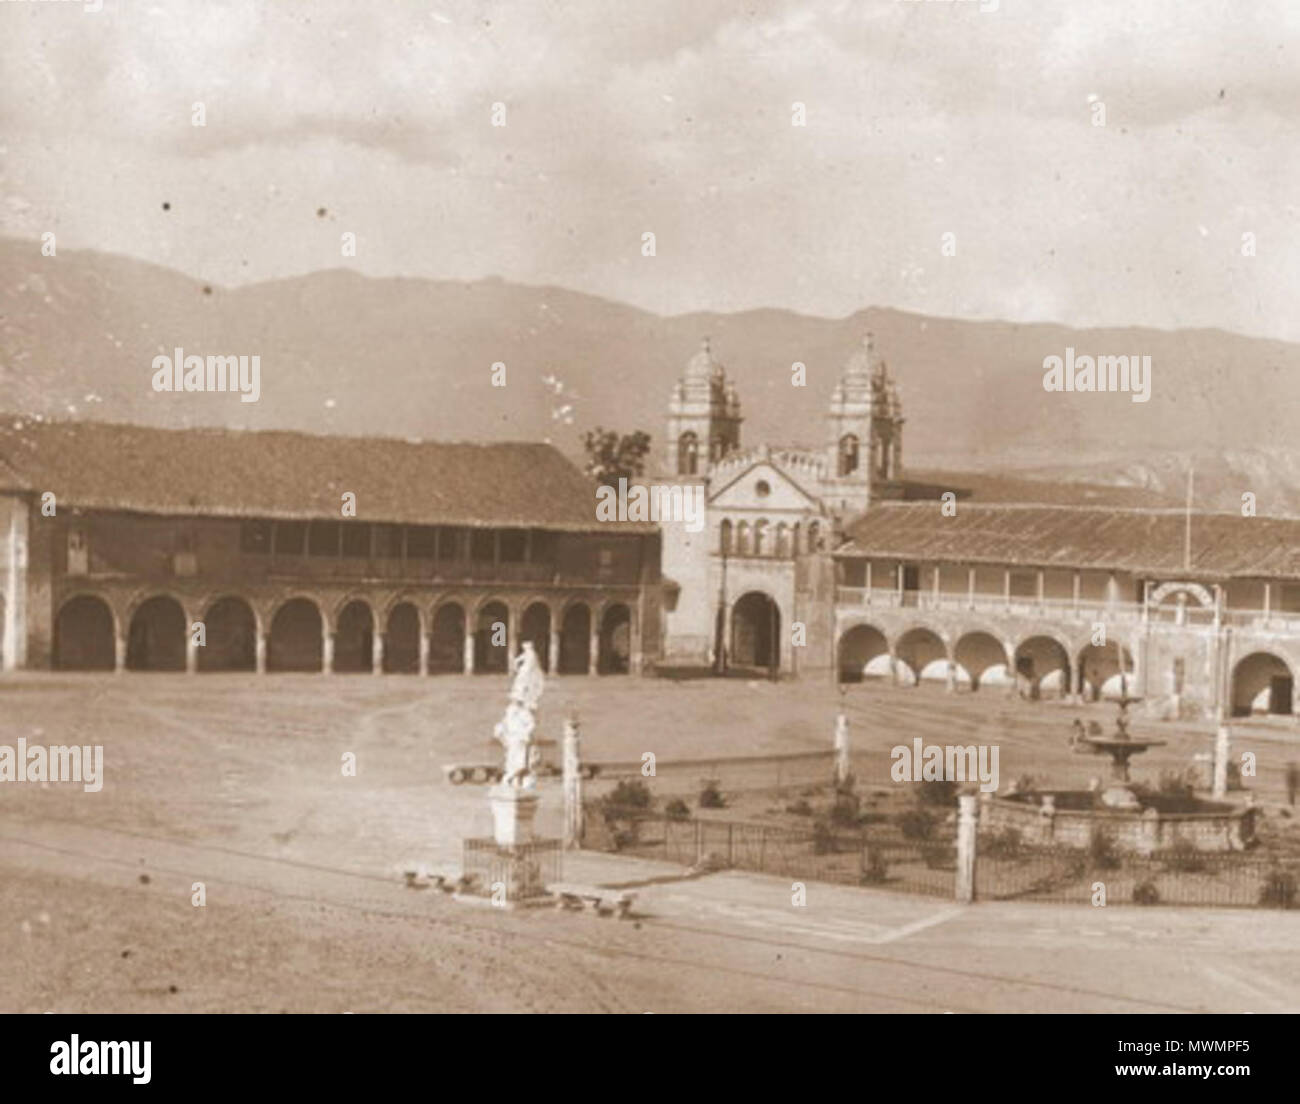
[(513, 812)]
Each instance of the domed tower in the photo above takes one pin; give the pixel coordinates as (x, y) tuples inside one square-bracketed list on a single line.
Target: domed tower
[(865, 431), (703, 416)]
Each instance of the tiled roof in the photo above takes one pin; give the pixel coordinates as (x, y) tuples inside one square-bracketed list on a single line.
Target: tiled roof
[(1145, 542), (95, 465)]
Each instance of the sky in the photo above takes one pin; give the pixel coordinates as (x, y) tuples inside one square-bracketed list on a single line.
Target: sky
[(674, 117)]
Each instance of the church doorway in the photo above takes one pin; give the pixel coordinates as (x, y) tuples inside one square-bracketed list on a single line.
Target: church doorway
[(756, 632)]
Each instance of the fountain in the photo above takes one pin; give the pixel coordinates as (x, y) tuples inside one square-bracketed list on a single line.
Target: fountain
[(1135, 818)]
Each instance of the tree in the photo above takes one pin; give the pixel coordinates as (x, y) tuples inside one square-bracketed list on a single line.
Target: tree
[(611, 457)]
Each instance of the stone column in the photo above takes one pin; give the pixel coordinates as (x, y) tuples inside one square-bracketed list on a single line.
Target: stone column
[(469, 653), (377, 654), (1013, 679), (1222, 749), (967, 824), (841, 750), (327, 653), (553, 656), (593, 668), (951, 683), (262, 644), (424, 652), (119, 654), (1072, 694), (573, 818), (512, 636), (191, 652)]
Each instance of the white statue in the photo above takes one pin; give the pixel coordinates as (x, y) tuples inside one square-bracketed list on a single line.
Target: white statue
[(515, 730)]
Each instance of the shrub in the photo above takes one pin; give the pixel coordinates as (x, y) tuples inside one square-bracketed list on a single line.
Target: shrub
[(937, 856), (1101, 850), (1145, 893), (800, 808), (916, 824), (823, 840), (633, 794), (710, 796), (1279, 889), (1234, 775), (1184, 858), (938, 793), (677, 809), (874, 869), (1001, 845), (844, 813)]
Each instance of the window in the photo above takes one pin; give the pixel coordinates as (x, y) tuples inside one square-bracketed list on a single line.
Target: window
[(848, 454), (544, 546), (762, 488), (1024, 584), (323, 538), (255, 538), (482, 546), (356, 540), (450, 543), (421, 542), (688, 454), (388, 542), (290, 538), (724, 536), (514, 545)]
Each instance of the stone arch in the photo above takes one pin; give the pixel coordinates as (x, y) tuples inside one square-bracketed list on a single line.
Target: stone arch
[(1262, 682), (848, 454), (354, 637), (296, 639), (742, 538), (156, 635), (535, 625), (402, 631), (492, 641), (615, 654), (980, 655), (920, 651), (814, 536), (688, 453), (1098, 670), (447, 638), (725, 536), (1043, 663), (575, 639), (756, 631), (781, 541), (85, 631), (859, 648), (230, 629), (760, 537)]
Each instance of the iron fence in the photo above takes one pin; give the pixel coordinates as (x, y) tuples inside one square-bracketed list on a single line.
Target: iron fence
[(524, 870)]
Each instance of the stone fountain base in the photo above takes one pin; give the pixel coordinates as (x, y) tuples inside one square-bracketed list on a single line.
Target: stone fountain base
[(1068, 818)]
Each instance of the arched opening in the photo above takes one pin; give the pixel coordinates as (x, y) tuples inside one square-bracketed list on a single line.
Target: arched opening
[(536, 626), (402, 640), (760, 537), (848, 454), (1261, 683), (742, 538), (921, 654), (575, 641), (814, 537), (688, 454), (156, 641), (755, 632), (615, 641), (980, 658), (296, 637), (447, 640), (492, 640), (857, 649), (781, 546), (354, 638), (230, 637), (1042, 667), (724, 537), (1099, 672), (83, 636)]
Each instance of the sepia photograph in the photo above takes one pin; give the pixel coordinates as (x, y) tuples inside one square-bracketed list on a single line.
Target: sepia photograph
[(718, 507)]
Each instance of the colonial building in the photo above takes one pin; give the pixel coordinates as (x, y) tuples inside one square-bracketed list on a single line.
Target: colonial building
[(741, 584), (1201, 614), (213, 550)]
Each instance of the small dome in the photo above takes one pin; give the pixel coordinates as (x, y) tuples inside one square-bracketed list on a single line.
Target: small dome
[(702, 365)]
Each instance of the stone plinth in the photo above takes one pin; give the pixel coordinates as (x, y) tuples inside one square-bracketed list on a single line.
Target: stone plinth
[(513, 812)]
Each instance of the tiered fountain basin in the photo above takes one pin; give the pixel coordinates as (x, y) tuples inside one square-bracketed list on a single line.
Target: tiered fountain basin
[(1158, 822)]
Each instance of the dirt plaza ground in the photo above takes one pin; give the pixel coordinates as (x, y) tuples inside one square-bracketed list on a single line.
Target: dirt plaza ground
[(236, 782)]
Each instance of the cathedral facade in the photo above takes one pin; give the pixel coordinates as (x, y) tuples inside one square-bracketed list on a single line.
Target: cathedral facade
[(751, 589)]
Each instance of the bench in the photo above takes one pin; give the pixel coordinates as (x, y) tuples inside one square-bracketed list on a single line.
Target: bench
[(602, 899), (419, 878)]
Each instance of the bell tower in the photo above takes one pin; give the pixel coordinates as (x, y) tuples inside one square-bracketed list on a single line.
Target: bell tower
[(703, 417), (864, 431)]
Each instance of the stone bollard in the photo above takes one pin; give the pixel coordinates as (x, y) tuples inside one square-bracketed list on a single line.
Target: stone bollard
[(967, 823), (1222, 744), (841, 750), (573, 819)]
